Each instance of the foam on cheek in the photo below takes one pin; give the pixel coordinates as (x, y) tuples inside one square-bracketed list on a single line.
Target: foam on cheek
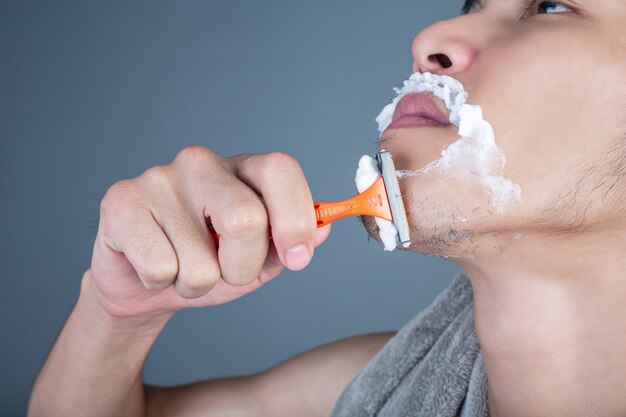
[(475, 155), (366, 175)]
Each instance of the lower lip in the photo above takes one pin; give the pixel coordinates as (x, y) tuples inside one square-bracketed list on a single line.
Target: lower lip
[(413, 121)]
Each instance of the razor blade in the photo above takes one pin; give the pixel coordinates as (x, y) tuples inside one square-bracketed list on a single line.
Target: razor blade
[(398, 214)]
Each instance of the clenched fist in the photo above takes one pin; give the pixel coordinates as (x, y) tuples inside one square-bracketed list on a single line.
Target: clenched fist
[(154, 252)]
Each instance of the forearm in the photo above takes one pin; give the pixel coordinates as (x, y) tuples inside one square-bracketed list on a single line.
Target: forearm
[(95, 365)]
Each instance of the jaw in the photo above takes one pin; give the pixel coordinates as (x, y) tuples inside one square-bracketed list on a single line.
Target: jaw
[(449, 173)]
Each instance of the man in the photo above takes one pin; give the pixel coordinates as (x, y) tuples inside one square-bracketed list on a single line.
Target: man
[(547, 271)]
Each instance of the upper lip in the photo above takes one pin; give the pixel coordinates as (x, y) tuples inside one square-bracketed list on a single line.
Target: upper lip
[(422, 105)]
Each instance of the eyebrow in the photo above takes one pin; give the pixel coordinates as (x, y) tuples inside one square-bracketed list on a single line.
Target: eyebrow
[(471, 5)]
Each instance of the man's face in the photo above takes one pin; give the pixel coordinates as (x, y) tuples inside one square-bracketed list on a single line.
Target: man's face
[(551, 79)]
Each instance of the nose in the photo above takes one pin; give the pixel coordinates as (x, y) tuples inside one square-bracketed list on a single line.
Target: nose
[(444, 48)]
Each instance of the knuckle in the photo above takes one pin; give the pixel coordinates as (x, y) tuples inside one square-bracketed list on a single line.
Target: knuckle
[(156, 176), (196, 155), (247, 218), (157, 275), (201, 279), (241, 280), (303, 227), (197, 282), (119, 194), (280, 163), (299, 227)]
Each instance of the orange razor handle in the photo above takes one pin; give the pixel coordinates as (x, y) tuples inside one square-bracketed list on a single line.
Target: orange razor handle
[(371, 202)]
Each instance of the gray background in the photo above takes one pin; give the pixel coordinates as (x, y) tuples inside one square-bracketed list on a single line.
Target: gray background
[(93, 92)]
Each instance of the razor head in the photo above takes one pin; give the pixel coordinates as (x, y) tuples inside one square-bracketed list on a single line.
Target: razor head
[(398, 214)]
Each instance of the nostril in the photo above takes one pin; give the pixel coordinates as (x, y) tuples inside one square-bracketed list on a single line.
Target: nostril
[(441, 59)]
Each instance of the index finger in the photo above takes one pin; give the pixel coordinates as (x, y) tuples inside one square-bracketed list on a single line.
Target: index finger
[(279, 179)]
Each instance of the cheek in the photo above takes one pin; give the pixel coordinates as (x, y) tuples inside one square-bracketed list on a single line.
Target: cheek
[(549, 115), (414, 148), (437, 203)]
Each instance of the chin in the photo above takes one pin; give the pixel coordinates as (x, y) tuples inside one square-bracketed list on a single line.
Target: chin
[(451, 244)]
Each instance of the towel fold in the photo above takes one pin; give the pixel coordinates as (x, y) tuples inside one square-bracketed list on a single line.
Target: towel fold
[(431, 367)]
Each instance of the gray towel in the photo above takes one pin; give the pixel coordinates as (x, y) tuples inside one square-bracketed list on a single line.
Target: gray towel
[(431, 367)]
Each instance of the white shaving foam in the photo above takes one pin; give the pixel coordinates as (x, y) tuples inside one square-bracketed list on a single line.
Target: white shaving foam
[(445, 88), (475, 154), (366, 175)]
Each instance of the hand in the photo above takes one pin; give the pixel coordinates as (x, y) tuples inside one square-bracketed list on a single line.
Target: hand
[(153, 251)]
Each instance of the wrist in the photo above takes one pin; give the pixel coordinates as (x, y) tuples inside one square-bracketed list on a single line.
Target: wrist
[(89, 304), (95, 365)]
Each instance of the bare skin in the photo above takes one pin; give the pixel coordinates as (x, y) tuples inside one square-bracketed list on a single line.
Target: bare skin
[(153, 256), (547, 273), (95, 369)]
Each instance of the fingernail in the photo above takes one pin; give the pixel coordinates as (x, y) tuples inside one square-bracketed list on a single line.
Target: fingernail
[(297, 257)]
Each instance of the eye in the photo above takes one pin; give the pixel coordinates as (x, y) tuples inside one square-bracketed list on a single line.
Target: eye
[(547, 7), (550, 7)]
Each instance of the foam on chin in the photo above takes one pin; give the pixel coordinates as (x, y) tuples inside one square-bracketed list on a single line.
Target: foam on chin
[(366, 174), (475, 155)]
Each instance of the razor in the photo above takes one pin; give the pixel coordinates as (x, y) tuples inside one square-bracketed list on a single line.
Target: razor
[(382, 199)]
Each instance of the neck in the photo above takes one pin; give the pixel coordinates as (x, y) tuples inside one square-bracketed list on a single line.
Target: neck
[(550, 314)]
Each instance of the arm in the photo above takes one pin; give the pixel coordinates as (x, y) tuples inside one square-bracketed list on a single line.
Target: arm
[(307, 385), (95, 363), (97, 360), (153, 256)]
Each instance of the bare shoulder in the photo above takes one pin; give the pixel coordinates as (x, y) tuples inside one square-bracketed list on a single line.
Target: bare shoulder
[(310, 383), (306, 385)]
